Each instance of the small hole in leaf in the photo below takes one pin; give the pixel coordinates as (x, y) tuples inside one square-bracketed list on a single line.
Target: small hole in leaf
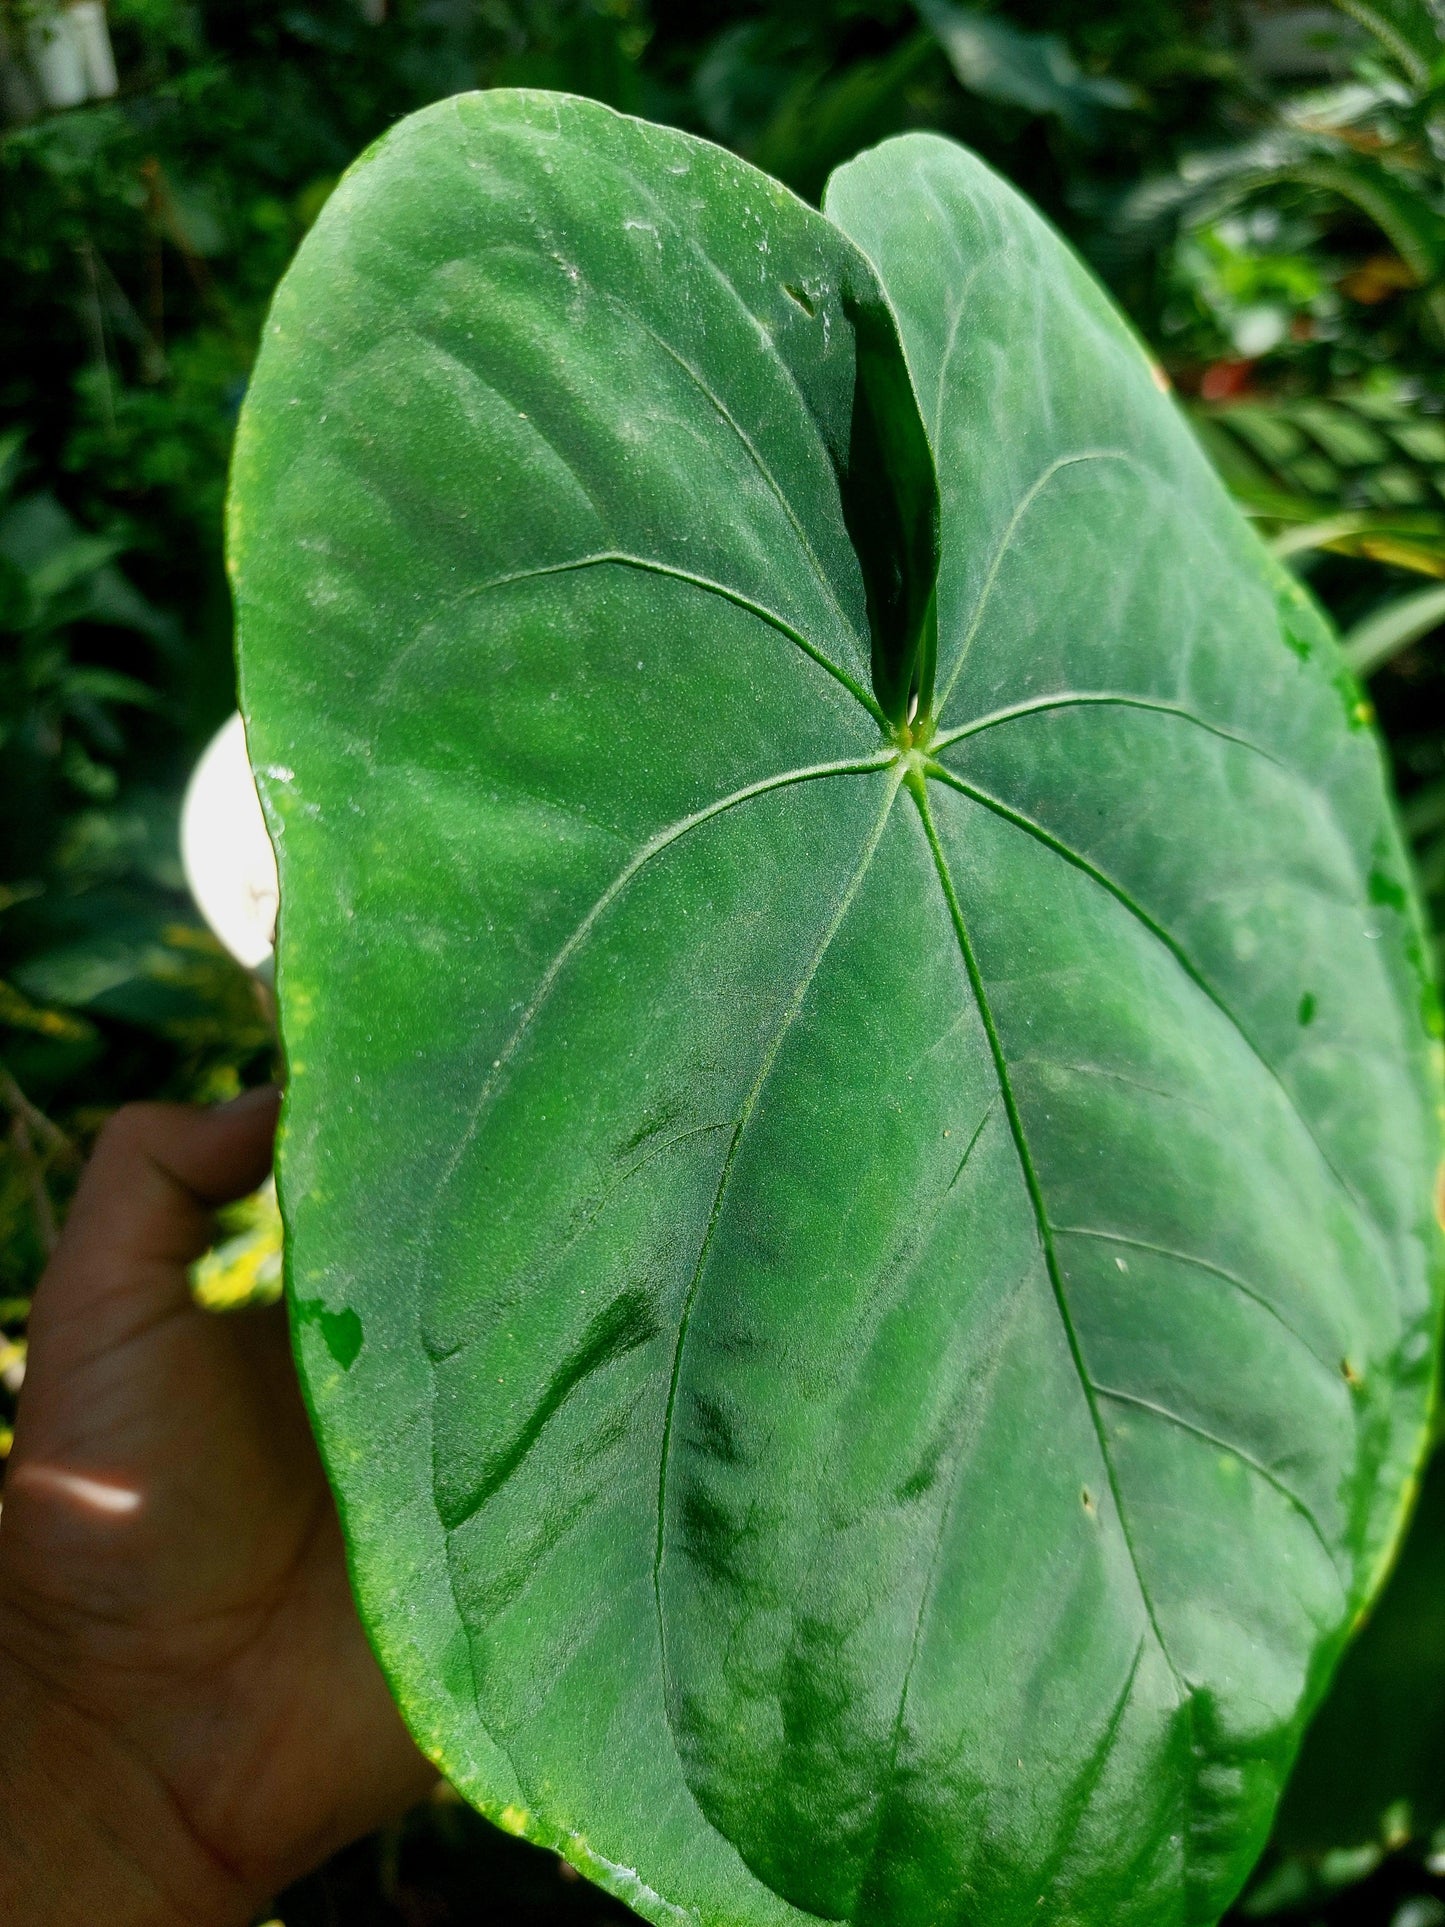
[(1088, 1499), (1307, 1007), (1351, 1376), (802, 298)]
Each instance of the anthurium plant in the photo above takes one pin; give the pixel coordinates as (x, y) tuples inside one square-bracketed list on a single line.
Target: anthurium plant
[(862, 1114)]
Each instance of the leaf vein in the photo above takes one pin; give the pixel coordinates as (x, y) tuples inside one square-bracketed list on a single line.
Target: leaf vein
[(980, 1390), (539, 1273), (622, 559), (754, 454), (1021, 509), (1231, 1278), (745, 1116), (655, 845), (1074, 699), (1235, 1451), (1046, 1243), (1093, 1772), (1069, 855)]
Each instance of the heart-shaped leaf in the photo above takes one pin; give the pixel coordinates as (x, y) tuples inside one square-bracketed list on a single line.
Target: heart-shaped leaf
[(858, 1154)]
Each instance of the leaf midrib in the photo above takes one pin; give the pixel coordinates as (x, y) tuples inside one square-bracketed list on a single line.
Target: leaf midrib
[(1055, 1274)]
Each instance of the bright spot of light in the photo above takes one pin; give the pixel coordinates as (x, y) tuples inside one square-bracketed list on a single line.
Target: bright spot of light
[(91, 1495), (227, 854)]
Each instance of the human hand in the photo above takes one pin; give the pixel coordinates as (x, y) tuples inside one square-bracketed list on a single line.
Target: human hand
[(190, 1715)]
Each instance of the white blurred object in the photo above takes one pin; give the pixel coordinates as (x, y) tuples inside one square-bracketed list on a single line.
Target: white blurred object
[(71, 55), (226, 852)]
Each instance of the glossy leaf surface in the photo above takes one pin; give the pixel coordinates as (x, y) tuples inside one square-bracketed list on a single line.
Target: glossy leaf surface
[(866, 1289)]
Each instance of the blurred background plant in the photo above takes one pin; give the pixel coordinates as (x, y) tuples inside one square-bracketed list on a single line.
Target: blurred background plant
[(1262, 182)]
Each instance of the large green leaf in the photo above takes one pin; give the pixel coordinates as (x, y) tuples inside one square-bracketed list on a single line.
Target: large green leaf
[(866, 1285)]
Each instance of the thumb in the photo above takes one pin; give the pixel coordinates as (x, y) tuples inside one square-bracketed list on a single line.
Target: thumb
[(143, 1211)]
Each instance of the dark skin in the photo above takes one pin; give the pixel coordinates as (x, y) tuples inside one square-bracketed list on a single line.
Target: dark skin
[(190, 1715)]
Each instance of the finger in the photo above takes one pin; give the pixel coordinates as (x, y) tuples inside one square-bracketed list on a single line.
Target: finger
[(144, 1207), (160, 1170)]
